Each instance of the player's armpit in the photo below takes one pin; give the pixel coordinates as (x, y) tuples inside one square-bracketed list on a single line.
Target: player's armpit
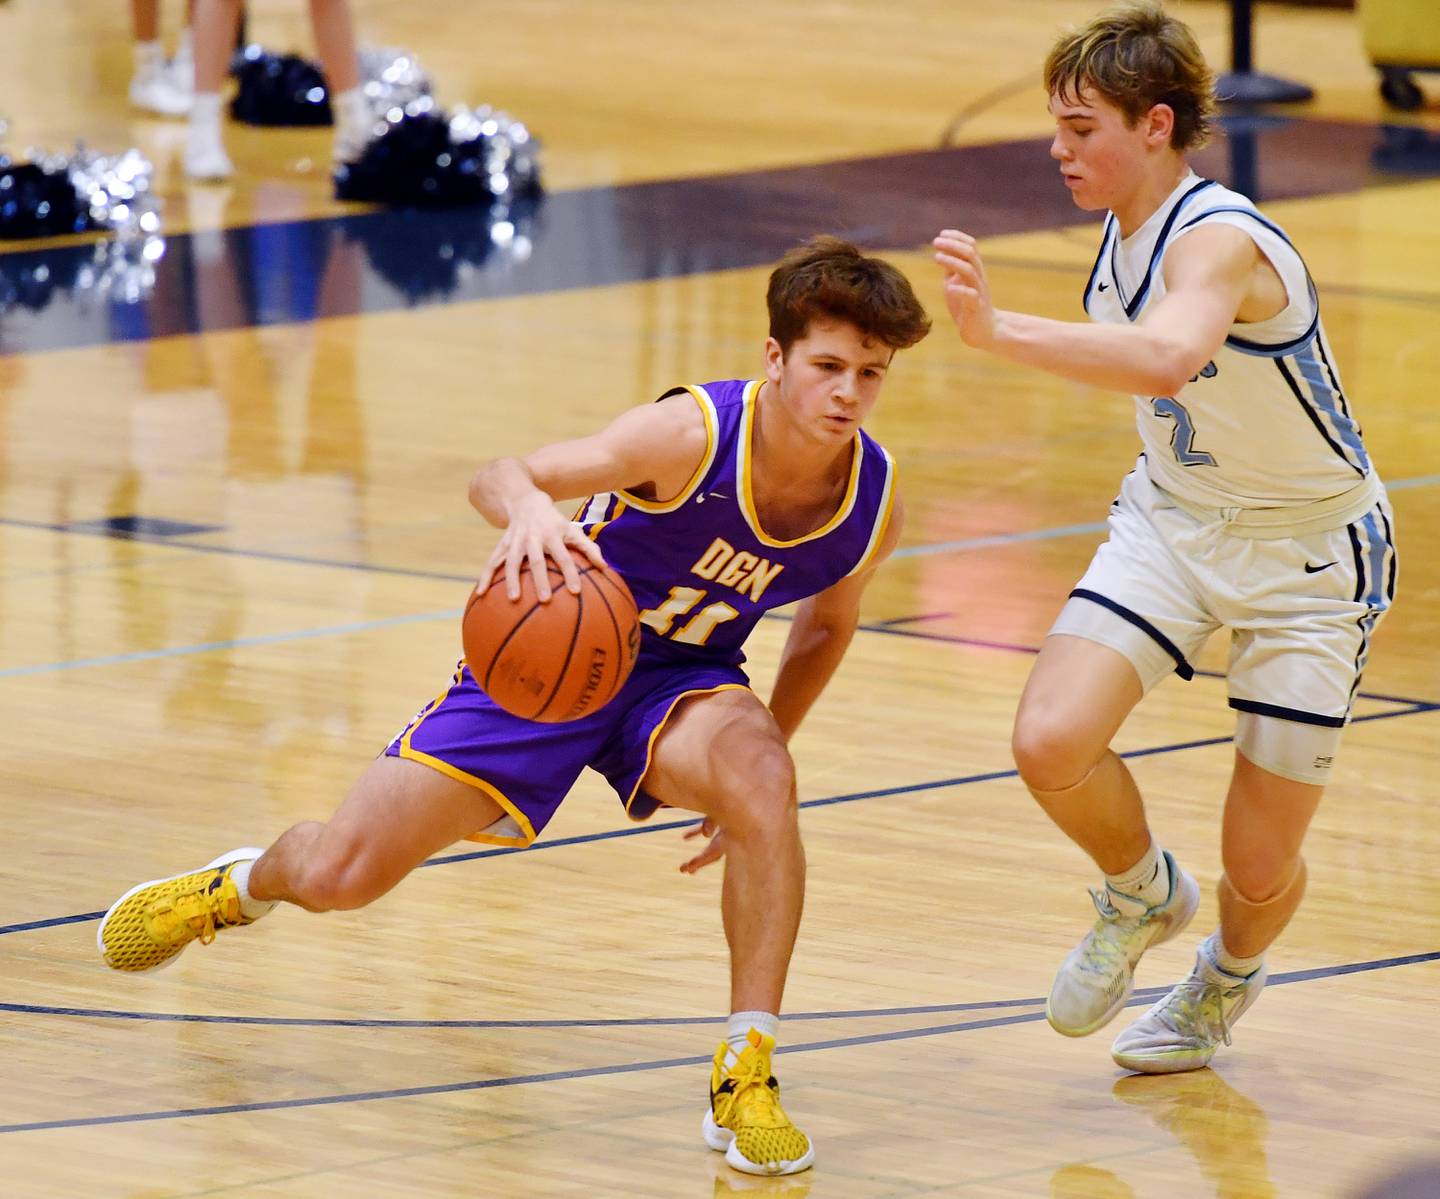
[(653, 449)]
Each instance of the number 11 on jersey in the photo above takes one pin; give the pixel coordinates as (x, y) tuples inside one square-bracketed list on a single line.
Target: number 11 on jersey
[(698, 629)]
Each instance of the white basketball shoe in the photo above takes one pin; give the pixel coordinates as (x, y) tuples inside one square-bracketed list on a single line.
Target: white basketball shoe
[(1184, 1029), (1098, 976)]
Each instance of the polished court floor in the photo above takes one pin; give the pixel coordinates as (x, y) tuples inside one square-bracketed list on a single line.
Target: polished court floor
[(234, 544)]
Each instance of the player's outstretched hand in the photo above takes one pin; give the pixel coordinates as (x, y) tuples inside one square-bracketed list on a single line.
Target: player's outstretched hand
[(967, 293), (712, 852), (536, 532)]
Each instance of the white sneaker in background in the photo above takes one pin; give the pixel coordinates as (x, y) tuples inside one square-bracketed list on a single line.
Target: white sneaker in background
[(205, 157), (160, 90)]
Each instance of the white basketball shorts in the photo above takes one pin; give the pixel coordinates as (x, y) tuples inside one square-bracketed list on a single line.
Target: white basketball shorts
[(1300, 610)]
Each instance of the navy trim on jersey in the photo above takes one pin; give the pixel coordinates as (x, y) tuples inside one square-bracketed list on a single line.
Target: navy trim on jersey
[(1259, 348), (1341, 402), (1243, 211), (1110, 224), (1314, 419), (1133, 306), (1295, 714), (1325, 394), (1182, 667)]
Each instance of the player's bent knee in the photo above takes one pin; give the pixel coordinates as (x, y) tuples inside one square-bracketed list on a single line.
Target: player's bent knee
[(1258, 879), (759, 792), (1049, 755)]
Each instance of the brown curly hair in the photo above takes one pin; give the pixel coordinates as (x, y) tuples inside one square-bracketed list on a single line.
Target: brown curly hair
[(828, 277)]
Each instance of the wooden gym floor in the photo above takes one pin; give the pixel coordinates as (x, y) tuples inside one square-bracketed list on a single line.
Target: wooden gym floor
[(234, 542)]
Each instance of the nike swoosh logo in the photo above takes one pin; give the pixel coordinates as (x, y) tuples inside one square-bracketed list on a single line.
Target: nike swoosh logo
[(1103, 286), (1315, 570)]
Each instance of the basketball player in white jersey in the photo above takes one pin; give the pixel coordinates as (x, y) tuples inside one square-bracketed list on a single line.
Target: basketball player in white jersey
[(1253, 507)]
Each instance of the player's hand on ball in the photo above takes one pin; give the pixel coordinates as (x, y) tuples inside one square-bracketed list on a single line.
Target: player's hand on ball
[(712, 852), (967, 292), (536, 532)]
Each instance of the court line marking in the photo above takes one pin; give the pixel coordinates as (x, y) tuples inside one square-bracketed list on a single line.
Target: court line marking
[(934, 1009), (656, 1064), (205, 647), (904, 551), (35, 1009), (1414, 708), (888, 627)]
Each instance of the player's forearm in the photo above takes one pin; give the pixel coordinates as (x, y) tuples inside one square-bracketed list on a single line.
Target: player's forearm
[(811, 655), (497, 487), (1132, 359)]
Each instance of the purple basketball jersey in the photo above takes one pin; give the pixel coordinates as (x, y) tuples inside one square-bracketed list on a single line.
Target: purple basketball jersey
[(703, 571), (701, 567)]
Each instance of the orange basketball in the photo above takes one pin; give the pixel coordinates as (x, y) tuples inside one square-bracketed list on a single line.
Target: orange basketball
[(555, 661)]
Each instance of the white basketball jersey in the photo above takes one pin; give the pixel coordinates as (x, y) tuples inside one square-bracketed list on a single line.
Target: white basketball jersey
[(1265, 424)]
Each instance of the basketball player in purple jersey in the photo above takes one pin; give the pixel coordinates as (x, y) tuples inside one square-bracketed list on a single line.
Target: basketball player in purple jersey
[(716, 504)]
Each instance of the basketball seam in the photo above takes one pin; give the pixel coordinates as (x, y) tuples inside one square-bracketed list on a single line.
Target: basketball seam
[(499, 650), (614, 624), (610, 582), (569, 653)]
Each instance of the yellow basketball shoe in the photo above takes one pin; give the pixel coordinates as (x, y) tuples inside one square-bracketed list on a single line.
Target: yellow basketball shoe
[(746, 1121), (148, 926)]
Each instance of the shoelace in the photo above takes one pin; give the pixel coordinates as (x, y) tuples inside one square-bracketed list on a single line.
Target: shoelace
[(1103, 950), (198, 913), (752, 1088), (1198, 1008)]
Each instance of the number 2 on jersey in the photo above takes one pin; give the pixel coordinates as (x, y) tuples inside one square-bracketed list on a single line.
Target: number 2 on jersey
[(1182, 440), (697, 630)]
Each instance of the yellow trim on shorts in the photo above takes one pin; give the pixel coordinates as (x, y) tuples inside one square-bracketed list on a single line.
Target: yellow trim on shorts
[(460, 776), (707, 410), (743, 474), (655, 732)]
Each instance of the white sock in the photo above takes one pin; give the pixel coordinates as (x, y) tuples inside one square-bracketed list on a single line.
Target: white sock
[(1148, 880), (205, 111), (185, 48), (204, 142), (250, 908), (149, 57), (352, 111), (1237, 967), (737, 1031)]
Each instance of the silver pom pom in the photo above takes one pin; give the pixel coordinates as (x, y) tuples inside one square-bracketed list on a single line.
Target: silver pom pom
[(394, 79), (115, 189)]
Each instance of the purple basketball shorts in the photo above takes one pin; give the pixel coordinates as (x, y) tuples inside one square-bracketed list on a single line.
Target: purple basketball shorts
[(529, 768)]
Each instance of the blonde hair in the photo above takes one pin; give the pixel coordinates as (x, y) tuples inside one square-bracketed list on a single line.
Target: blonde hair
[(1136, 56)]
